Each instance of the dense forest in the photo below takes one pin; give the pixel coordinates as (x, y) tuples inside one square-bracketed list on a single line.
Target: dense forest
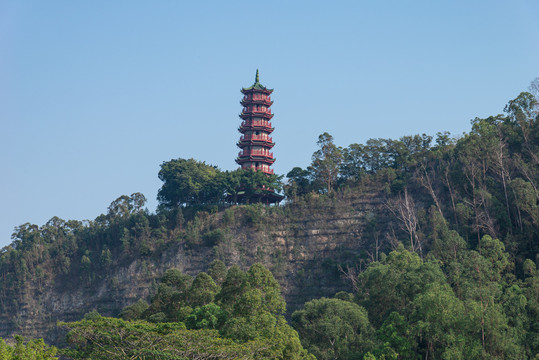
[(444, 268)]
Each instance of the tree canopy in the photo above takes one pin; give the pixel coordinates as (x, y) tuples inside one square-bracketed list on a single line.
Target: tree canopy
[(190, 182)]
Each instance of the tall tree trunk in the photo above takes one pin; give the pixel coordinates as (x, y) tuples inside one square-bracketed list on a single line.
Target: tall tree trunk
[(502, 172), (448, 184), (426, 182)]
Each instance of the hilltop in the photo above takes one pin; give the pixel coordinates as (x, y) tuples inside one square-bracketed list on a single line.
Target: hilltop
[(458, 214)]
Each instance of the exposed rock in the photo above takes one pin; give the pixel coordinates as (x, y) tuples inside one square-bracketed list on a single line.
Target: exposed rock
[(303, 246)]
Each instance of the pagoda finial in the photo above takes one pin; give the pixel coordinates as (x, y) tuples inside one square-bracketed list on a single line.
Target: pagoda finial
[(257, 80)]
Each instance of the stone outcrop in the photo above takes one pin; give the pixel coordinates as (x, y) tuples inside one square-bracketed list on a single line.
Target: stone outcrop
[(307, 245)]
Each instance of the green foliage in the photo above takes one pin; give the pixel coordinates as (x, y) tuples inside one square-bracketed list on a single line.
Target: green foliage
[(134, 311), (457, 310), (202, 291), (85, 263), (231, 288), (209, 316), (32, 350), (218, 271), (244, 322), (483, 183), (109, 338), (186, 182), (253, 185), (127, 205), (214, 237), (447, 244), (393, 284), (171, 299), (252, 215), (395, 338), (326, 162), (439, 318), (334, 329), (193, 183), (298, 183), (472, 292)]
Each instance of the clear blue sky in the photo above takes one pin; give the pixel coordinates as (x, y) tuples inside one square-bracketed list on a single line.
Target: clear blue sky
[(95, 95)]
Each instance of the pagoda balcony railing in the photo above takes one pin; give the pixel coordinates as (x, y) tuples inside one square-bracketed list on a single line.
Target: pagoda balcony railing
[(269, 171), (256, 138), (257, 123), (264, 153), (257, 98), (267, 111)]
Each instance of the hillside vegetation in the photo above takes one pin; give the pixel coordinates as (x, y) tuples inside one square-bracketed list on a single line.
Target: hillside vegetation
[(421, 247)]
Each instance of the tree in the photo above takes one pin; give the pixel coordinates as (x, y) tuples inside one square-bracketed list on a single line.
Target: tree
[(526, 199), (353, 164), (254, 185), (209, 316), (217, 271), (396, 339), (231, 288), (33, 350), (531, 290), (439, 318), (186, 182), (405, 210), (447, 245), (393, 283), (376, 155), (298, 182), (134, 311), (334, 329), (254, 310), (126, 205), (202, 291), (326, 161), (108, 338), (171, 300)]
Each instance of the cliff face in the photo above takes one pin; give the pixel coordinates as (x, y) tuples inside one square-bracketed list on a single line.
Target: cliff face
[(308, 246)]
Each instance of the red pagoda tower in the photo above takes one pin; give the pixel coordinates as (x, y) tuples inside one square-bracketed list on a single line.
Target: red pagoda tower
[(255, 142)]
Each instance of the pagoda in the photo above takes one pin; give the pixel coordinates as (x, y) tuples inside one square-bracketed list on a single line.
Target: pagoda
[(255, 142)]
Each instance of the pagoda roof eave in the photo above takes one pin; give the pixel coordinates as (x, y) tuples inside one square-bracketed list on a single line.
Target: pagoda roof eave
[(249, 115), (256, 87), (249, 102)]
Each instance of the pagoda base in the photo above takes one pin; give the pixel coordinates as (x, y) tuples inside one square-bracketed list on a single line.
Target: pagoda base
[(265, 197)]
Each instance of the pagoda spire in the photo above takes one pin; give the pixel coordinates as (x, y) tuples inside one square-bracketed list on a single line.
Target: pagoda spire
[(257, 79)]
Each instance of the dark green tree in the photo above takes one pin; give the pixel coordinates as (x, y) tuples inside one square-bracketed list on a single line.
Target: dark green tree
[(326, 162), (218, 271), (298, 183), (134, 311), (202, 291), (393, 283), (170, 303), (334, 329), (186, 182)]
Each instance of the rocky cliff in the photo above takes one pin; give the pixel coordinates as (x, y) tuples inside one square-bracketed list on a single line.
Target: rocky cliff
[(308, 245)]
